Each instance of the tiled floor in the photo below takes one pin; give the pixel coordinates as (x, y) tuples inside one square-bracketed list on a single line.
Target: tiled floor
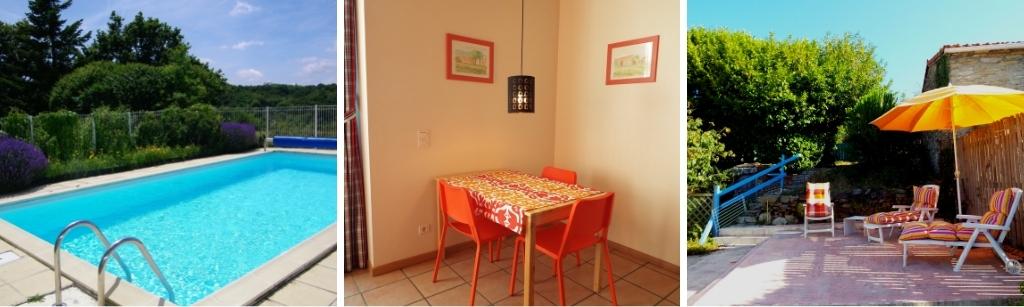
[(637, 282), (24, 279), (318, 286)]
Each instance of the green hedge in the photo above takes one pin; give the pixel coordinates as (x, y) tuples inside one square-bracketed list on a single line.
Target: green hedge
[(64, 140)]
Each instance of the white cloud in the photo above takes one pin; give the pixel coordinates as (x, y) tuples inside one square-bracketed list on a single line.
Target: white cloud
[(242, 8), (250, 74), (244, 45), (312, 65)]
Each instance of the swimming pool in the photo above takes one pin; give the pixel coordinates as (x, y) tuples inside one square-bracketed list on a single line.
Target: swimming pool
[(205, 227)]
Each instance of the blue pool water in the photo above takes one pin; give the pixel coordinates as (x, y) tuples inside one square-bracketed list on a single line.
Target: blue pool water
[(205, 226)]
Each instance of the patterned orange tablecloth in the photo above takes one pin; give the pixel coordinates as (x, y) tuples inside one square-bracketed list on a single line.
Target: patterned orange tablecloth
[(505, 196)]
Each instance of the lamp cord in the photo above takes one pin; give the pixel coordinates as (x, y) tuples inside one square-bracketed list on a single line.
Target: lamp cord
[(522, 23)]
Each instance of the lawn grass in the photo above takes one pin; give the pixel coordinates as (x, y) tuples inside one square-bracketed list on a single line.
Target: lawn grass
[(693, 247)]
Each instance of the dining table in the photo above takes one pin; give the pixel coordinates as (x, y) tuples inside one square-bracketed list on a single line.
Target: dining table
[(520, 202)]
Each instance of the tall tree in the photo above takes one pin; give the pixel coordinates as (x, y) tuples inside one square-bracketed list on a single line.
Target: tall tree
[(52, 49), (12, 83), (143, 40)]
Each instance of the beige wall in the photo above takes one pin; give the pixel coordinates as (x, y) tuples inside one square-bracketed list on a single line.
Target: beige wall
[(405, 90), (623, 138)]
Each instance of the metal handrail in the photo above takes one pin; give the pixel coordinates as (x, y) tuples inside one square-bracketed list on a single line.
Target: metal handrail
[(56, 254), (717, 205), (101, 297)]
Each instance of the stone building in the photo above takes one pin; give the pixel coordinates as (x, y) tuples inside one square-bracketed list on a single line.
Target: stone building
[(997, 64)]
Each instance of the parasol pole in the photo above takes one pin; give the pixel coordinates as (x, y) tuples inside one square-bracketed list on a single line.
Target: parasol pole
[(956, 173)]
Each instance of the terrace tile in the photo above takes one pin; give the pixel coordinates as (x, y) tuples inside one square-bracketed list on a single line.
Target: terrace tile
[(21, 269), (300, 294), (321, 277)]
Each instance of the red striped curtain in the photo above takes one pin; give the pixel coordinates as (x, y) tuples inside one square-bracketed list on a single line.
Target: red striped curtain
[(357, 253)]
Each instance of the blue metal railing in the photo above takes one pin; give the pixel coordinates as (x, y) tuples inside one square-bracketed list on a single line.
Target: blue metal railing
[(718, 205)]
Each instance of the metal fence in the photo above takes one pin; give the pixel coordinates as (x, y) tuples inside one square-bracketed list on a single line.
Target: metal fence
[(698, 212), (304, 121)]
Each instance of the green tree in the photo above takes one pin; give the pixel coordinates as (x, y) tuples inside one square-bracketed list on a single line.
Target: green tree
[(899, 156), (703, 152), (12, 67), (52, 49), (143, 40), (777, 96)]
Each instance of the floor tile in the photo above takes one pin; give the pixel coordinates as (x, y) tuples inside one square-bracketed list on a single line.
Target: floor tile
[(541, 272), (674, 297), (330, 261), (19, 269), (517, 300), (397, 293), (594, 300), (300, 294), (494, 286), (349, 283), (621, 266), (666, 302), (420, 268), (321, 277), (659, 269), (9, 297), (355, 300), (657, 283), (40, 283), (456, 297), (367, 282), (461, 255), (584, 275), (573, 292), (446, 279), (422, 302), (629, 294)]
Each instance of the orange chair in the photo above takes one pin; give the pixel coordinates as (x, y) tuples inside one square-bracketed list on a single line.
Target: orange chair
[(457, 207), (588, 225), (557, 174), (562, 175)]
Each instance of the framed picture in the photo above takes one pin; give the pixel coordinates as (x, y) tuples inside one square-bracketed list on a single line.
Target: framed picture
[(632, 61), (469, 59)]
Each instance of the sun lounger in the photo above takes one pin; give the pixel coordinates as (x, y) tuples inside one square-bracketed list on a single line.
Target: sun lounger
[(923, 208)]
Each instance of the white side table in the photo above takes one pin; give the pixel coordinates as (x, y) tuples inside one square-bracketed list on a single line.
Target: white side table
[(849, 223)]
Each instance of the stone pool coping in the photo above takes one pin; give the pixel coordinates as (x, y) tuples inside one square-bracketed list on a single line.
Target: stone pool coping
[(243, 291)]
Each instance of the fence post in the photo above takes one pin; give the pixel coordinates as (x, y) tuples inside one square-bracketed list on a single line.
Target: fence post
[(31, 130), (266, 117), (93, 132), (316, 119), (714, 210), (129, 114)]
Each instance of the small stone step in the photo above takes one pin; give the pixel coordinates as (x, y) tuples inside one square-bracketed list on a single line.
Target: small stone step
[(756, 231), (739, 241)]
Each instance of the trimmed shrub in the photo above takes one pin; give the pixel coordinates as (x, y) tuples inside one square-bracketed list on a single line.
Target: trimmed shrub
[(203, 122), (111, 131), (16, 124), (151, 131), (237, 137), (63, 139), (20, 163)]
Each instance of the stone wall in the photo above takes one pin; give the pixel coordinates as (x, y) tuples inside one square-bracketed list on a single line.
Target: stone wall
[(1003, 68)]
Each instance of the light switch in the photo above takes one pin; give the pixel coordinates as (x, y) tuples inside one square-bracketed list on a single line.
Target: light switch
[(423, 138)]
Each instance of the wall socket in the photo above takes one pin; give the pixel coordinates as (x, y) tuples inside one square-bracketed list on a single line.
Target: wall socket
[(422, 139), (423, 229)]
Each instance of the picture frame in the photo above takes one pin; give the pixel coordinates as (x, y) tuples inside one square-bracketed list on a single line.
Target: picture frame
[(632, 61), (469, 59)]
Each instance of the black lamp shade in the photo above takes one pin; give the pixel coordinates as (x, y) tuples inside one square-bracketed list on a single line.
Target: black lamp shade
[(520, 94)]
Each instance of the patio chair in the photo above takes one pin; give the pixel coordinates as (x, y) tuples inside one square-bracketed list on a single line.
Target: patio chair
[(818, 207), (923, 208), (977, 231)]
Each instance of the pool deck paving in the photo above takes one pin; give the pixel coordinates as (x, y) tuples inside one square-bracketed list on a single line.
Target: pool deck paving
[(788, 269), (28, 279)]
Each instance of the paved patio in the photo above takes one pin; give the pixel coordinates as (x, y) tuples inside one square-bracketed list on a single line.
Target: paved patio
[(788, 269)]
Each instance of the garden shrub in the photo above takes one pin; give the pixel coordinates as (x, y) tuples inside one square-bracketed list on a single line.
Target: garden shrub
[(237, 137), (704, 151), (150, 131), (20, 163), (111, 131), (16, 124), (203, 121), (63, 139)]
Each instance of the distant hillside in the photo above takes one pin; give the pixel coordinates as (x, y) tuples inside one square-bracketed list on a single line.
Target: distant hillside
[(272, 95)]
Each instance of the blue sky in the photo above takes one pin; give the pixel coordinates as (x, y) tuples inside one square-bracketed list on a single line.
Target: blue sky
[(251, 41), (905, 33)]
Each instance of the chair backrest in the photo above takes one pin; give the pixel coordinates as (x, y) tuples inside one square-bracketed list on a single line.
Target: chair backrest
[(818, 193), (1002, 207), (457, 204), (588, 222), (926, 196), (558, 174)]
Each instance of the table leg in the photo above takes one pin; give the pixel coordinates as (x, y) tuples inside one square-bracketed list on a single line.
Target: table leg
[(440, 219), (597, 266), (528, 262)]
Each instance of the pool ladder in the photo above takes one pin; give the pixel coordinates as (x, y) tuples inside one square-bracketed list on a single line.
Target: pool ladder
[(110, 251)]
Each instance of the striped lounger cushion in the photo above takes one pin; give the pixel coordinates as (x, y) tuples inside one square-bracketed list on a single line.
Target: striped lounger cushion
[(942, 231), (914, 231), (892, 217)]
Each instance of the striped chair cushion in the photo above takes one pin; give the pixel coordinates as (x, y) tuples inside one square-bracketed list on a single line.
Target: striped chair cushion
[(941, 230), (914, 231), (1001, 201), (918, 193), (930, 197), (817, 210), (892, 217), (964, 233)]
